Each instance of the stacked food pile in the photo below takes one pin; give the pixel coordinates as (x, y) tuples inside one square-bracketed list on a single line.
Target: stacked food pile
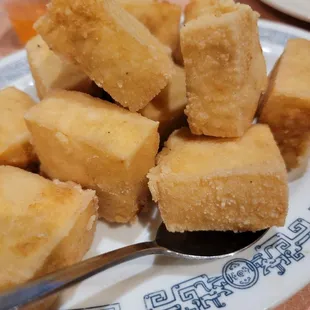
[(111, 94)]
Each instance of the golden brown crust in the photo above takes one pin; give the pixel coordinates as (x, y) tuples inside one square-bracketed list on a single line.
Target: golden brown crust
[(196, 8), (167, 108), (110, 46), (205, 183), (290, 127), (15, 147), (47, 226), (224, 77), (98, 145), (286, 107), (73, 247), (70, 251), (177, 55)]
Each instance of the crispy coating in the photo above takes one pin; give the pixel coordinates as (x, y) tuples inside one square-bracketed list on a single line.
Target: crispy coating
[(196, 8), (225, 71), (15, 147), (161, 18), (205, 183), (110, 46), (98, 145), (286, 106)]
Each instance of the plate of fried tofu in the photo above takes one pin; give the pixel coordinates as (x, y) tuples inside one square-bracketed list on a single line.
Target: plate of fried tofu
[(115, 118)]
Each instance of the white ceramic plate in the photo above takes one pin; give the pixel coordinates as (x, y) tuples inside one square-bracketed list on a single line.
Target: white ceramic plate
[(297, 8), (259, 278)]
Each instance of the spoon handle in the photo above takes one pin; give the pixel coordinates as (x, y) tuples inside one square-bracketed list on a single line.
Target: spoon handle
[(56, 281)]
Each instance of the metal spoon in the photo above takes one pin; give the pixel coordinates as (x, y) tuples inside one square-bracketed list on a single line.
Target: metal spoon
[(203, 245)]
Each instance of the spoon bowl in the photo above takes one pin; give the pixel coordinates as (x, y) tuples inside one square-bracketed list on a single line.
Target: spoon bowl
[(203, 245), (206, 245)]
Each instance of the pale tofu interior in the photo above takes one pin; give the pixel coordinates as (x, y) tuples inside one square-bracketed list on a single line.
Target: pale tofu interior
[(52, 72), (98, 123), (13, 105), (220, 156), (104, 13), (227, 60), (287, 105), (293, 75), (161, 18), (34, 221)]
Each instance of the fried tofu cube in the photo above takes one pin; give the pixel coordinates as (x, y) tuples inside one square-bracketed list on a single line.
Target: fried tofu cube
[(45, 227), (207, 183), (224, 77), (197, 8), (15, 147), (161, 18), (110, 46), (52, 72), (286, 107), (168, 107), (98, 145)]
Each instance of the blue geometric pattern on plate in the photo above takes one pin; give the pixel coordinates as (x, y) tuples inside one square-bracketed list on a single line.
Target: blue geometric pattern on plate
[(204, 292)]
